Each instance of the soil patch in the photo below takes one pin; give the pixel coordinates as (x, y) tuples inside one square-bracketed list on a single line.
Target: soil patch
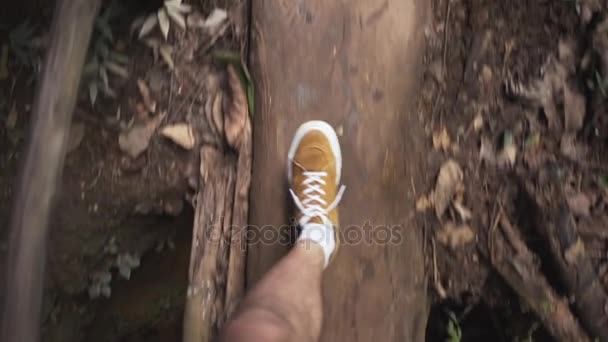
[(511, 96)]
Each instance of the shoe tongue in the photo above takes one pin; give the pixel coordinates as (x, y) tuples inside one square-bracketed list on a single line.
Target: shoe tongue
[(313, 158), (316, 219)]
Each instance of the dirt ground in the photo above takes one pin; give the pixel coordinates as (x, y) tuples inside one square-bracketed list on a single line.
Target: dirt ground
[(487, 65), (513, 103)]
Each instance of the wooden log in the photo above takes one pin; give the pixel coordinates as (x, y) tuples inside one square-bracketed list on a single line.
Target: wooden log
[(517, 265), (356, 65), (217, 262), (53, 106), (555, 225)]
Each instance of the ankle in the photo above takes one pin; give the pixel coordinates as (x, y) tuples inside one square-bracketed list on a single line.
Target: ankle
[(319, 235)]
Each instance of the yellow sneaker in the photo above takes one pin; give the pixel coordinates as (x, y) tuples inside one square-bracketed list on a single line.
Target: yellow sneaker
[(314, 169)]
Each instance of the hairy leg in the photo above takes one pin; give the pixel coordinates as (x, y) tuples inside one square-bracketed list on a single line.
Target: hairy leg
[(286, 304)]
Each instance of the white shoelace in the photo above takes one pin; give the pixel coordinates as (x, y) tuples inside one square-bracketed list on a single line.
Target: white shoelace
[(313, 205)]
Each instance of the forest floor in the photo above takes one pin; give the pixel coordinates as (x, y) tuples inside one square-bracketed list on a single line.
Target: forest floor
[(513, 100)]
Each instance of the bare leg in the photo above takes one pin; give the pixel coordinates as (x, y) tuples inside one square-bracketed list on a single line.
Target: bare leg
[(286, 304)]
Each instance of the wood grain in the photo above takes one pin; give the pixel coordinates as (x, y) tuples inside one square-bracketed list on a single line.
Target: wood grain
[(355, 65)]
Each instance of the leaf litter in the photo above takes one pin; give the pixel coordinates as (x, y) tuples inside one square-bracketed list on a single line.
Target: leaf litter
[(454, 235), (449, 178), (181, 134), (135, 140)]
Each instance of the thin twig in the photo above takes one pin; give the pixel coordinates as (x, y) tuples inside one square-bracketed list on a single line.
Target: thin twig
[(438, 287)]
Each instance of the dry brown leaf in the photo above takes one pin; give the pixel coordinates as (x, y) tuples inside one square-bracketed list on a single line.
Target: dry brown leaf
[(455, 236), (424, 203), (135, 141), (464, 212), (181, 134), (237, 110), (215, 19), (441, 140), (450, 176), (145, 95), (166, 52), (195, 20), (579, 204), (163, 22)]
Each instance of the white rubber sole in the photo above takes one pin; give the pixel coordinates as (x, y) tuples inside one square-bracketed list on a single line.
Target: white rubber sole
[(330, 134)]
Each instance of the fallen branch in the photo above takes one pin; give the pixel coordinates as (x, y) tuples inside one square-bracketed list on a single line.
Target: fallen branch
[(517, 265), (52, 116), (556, 226), (217, 261)]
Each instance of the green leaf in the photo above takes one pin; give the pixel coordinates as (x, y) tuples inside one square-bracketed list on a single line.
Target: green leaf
[(148, 25), (102, 49), (93, 89), (603, 182), (163, 22), (104, 29), (177, 17), (91, 68), (103, 75), (108, 91), (165, 52), (119, 57), (453, 329), (116, 69), (233, 58), (251, 97)]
